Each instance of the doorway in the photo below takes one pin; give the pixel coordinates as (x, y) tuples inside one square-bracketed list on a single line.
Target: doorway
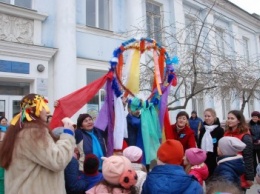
[(9, 106)]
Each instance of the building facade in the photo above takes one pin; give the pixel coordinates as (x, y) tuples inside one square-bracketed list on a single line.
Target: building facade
[(56, 47)]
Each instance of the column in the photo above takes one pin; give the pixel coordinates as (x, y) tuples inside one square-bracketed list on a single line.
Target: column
[(65, 40)]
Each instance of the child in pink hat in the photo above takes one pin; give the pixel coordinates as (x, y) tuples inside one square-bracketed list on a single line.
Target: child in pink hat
[(119, 177), (194, 161)]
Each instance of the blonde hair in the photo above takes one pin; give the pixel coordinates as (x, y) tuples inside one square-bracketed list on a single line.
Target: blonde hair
[(212, 112)]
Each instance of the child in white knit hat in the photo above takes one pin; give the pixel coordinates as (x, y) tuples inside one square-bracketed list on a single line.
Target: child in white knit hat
[(230, 164), (135, 155)]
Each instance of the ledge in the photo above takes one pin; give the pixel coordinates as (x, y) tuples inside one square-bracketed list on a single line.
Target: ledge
[(100, 32), (21, 12), (26, 51)]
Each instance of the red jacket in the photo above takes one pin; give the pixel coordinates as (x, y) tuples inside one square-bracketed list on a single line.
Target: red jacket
[(201, 172), (185, 136)]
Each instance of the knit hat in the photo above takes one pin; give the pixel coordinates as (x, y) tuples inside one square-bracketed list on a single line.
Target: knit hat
[(195, 156), (133, 153), (255, 114), (230, 146), (91, 164), (171, 152), (117, 170)]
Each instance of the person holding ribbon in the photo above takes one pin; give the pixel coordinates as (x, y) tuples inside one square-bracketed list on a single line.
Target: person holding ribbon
[(33, 161), (89, 139), (209, 137)]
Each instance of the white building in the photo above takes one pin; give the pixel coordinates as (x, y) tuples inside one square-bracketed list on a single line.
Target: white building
[(54, 47)]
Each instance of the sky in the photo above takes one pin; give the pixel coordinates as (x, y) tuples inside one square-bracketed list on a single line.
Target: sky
[(251, 6)]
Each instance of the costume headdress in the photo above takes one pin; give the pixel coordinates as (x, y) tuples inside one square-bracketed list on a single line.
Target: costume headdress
[(30, 107)]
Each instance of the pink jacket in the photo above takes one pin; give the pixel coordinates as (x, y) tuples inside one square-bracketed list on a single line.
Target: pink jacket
[(200, 171), (102, 189)]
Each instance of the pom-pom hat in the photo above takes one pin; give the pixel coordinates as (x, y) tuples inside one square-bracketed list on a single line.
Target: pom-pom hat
[(195, 156), (117, 170), (171, 152)]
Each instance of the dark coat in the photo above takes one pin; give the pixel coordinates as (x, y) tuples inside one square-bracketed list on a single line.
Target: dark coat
[(75, 181), (216, 134), (230, 168), (170, 179), (255, 132)]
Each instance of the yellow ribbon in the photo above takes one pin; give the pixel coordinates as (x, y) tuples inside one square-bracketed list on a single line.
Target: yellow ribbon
[(15, 119), (157, 74), (134, 75)]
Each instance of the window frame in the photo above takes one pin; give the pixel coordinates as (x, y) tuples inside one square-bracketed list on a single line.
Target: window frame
[(97, 16), (246, 50), (191, 33), (12, 2), (220, 40), (154, 15)]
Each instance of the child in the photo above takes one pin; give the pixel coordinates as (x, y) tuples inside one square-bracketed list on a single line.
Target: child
[(135, 154), (194, 161), (230, 164), (169, 176), (119, 177), (93, 176)]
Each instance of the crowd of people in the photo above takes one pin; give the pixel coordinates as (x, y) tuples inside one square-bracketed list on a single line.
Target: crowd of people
[(200, 157)]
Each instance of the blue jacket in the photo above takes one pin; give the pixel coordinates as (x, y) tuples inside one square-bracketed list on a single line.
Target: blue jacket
[(75, 181), (170, 179), (133, 124), (81, 135), (93, 180), (230, 168), (194, 124)]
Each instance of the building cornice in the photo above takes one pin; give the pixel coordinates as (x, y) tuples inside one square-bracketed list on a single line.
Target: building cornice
[(100, 32), (21, 12), (94, 64), (26, 51)]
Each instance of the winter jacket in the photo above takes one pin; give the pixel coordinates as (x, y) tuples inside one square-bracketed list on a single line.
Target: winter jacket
[(201, 172), (255, 132), (102, 189), (185, 136), (38, 163), (230, 168), (170, 179), (75, 181), (216, 134), (247, 154), (195, 124), (84, 144)]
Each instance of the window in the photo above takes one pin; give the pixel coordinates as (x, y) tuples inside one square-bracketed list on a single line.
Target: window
[(14, 88), (250, 106), (198, 105), (226, 107), (153, 21), (246, 48), (95, 104), (97, 13), (220, 41), (191, 36), (20, 3)]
